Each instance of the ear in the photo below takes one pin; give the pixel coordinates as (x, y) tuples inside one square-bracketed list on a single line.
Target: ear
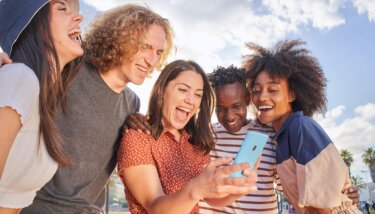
[(292, 96), (248, 98)]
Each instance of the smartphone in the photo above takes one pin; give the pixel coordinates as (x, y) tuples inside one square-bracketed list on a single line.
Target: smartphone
[(250, 150)]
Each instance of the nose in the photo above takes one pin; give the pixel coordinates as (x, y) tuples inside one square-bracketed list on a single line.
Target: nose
[(189, 98), (263, 95), (77, 17), (229, 116), (151, 59)]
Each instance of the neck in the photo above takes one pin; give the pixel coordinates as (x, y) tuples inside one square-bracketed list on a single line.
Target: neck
[(114, 79), (277, 125)]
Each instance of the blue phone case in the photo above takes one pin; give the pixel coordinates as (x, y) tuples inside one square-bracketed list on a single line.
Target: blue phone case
[(250, 150)]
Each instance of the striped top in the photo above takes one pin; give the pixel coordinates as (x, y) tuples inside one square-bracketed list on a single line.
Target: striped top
[(264, 199)]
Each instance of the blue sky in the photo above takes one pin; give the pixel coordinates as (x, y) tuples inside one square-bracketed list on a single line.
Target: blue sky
[(340, 33)]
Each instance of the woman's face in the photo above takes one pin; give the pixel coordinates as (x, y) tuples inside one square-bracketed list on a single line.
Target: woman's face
[(65, 20), (181, 100), (272, 99)]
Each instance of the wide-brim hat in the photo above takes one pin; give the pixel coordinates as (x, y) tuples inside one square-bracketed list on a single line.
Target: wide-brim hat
[(15, 15)]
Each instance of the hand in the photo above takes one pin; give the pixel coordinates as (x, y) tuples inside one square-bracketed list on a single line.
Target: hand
[(139, 122), (352, 193), (4, 59), (214, 181)]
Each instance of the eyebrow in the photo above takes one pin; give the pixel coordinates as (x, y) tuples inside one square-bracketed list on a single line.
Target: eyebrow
[(189, 86)]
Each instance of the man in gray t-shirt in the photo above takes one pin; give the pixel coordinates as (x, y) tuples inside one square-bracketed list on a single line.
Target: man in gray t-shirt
[(123, 45)]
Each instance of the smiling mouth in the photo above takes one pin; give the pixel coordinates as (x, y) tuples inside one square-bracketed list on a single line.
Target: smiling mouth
[(141, 68), (75, 34), (264, 108)]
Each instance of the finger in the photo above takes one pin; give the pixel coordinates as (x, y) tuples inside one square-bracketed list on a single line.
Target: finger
[(227, 170), (239, 181), (353, 189), (132, 125), (126, 129), (219, 162), (236, 190), (4, 58), (257, 164)]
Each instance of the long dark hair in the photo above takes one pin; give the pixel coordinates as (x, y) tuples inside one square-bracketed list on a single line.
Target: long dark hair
[(199, 127), (35, 49)]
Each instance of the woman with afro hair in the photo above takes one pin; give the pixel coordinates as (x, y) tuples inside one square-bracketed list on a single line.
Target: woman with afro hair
[(287, 87)]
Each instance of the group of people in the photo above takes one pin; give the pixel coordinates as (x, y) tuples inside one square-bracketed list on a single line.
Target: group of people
[(64, 104)]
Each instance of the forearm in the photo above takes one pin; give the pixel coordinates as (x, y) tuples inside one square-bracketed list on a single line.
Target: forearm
[(182, 201)]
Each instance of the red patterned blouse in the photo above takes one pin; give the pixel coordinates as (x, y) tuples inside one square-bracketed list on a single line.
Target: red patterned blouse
[(176, 162)]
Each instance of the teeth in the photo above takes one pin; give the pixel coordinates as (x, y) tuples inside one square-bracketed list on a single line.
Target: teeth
[(74, 33), (141, 68), (232, 123), (188, 110), (264, 107)]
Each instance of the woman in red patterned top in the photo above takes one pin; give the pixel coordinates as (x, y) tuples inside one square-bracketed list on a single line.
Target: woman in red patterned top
[(169, 171)]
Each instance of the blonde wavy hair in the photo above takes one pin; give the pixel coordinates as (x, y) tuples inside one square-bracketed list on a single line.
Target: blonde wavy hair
[(115, 36)]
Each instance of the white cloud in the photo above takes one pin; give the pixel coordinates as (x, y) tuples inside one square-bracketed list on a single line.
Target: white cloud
[(207, 30), (355, 133), (367, 111), (323, 14), (365, 6)]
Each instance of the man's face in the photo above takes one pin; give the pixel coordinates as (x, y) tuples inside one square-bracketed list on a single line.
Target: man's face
[(231, 106), (147, 57)]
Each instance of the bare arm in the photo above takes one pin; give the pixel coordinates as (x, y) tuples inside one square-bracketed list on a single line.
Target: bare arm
[(10, 124), (213, 182)]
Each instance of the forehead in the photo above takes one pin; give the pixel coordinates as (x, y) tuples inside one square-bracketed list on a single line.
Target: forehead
[(72, 4), (155, 36), (230, 93), (189, 78)]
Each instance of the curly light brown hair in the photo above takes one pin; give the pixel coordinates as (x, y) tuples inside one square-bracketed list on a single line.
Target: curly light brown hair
[(115, 36), (287, 60)]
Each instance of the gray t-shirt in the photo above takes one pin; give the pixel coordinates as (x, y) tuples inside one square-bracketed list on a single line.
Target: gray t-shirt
[(92, 127)]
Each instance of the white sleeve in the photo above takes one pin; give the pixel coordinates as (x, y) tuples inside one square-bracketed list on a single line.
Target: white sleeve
[(19, 89)]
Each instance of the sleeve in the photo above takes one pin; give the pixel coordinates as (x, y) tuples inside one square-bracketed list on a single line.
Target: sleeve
[(321, 172), (135, 149), (19, 89)]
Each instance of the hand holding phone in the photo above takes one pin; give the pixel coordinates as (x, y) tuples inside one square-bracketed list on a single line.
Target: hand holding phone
[(250, 150)]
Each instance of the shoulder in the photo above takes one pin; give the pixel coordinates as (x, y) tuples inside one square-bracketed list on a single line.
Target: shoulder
[(19, 74), (130, 94)]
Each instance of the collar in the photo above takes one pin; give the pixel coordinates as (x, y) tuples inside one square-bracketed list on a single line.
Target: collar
[(288, 121)]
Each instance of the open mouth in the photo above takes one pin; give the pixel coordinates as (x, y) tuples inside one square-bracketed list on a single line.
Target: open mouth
[(265, 108), (75, 35), (182, 113)]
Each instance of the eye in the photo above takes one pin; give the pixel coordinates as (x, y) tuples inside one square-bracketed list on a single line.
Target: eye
[(182, 89), (198, 95), (219, 110), (273, 89), (255, 91), (159, 53)]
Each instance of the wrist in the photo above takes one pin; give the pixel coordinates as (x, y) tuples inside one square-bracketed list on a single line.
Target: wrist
[(193, 190)]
